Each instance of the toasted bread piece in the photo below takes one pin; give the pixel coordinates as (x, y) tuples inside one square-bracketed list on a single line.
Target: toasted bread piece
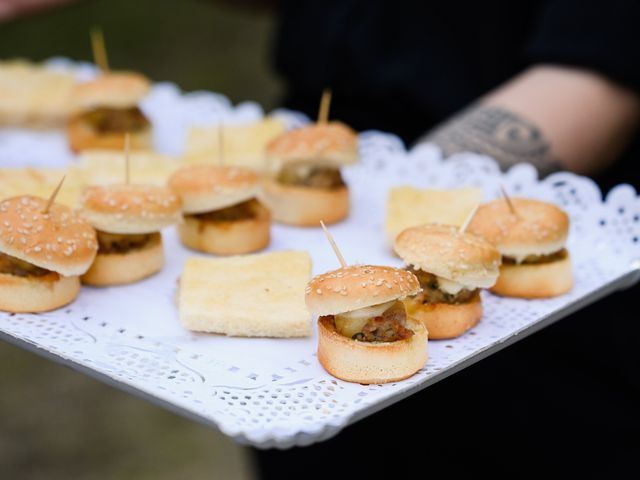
[(249, 296), (410, 207), (244, 145)]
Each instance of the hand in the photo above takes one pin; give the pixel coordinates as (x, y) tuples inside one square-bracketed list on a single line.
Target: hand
[(14, 8)]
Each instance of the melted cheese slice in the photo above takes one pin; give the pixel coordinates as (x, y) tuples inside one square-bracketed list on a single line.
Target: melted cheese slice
[(350, 323), (449, 286)]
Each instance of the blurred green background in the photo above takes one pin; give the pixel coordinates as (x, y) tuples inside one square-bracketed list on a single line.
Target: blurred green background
[(58, 424), (198, 44)]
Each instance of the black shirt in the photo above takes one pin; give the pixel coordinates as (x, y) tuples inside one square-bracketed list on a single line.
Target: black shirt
[(564, 400), (404, 66)]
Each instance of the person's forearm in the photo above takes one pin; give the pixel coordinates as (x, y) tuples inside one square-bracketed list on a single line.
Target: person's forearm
[(552, 117)]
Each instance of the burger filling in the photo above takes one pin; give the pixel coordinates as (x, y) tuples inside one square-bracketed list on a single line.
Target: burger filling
[(305, 174), (439, 290), (536, 259), (122, 243), (380, 323), (116, 120), (14, 266), (242, 211)]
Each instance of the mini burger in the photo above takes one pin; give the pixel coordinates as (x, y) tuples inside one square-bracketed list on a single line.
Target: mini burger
[(531, 239), (221, 212), (107, 108), (452, 267), (306, 185), (41, 254), (128, 220), (364, 332)]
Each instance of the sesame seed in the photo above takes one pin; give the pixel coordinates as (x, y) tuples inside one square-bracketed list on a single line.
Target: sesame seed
[(319, 292)]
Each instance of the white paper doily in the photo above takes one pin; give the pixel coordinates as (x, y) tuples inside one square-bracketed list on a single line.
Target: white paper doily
[(273, 392)]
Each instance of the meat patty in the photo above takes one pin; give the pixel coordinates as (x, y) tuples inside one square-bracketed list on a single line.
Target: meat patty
[(432, 293), (537, 259), (123, 243), (388, 327), (305, 174), (242, 211), (116, 120), (14, 266)]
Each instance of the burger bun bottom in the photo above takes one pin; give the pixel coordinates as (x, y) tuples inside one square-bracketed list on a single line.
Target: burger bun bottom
[(122, 268), (37, 294), (305, 206), (445, 320), (82, 136), (541, 280), (226, 237), (367, 362)]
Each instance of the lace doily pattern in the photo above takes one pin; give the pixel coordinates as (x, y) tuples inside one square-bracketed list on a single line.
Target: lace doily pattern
[(273, 392)]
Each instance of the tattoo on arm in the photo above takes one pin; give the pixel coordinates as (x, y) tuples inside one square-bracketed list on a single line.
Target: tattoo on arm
[(497, 133)]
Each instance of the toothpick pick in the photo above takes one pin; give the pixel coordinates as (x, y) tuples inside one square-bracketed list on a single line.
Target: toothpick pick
[(336, 250), (325, 102), (508, 200), (99, 49), (127, 163), (221, 143), (54, 195), (466, 223)]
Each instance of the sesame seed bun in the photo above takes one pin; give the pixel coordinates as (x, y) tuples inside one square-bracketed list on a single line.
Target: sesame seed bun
[(115, 90), (538, 280), (130, 209), (445, 320), (443, 251), (205, 188), (37, 294), (371, 362), (332, 143), (305, 206), (58, 240), (538, 228), (124, 268), (358, 286)]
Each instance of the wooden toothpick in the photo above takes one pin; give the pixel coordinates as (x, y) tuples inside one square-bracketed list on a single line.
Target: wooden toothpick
[(466, 223), (508, 200), (325, 103), (54, 195), (221, 143), (99, 49), (127, 162), (336, 250)]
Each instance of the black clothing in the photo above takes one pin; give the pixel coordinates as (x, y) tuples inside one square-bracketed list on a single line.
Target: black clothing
[(404, 66), (565, 401)]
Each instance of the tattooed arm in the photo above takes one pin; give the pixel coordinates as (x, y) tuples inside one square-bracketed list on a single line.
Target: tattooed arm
[(552, 117)]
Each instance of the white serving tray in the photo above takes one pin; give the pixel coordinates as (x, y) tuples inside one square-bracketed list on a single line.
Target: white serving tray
[(273, 392)]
